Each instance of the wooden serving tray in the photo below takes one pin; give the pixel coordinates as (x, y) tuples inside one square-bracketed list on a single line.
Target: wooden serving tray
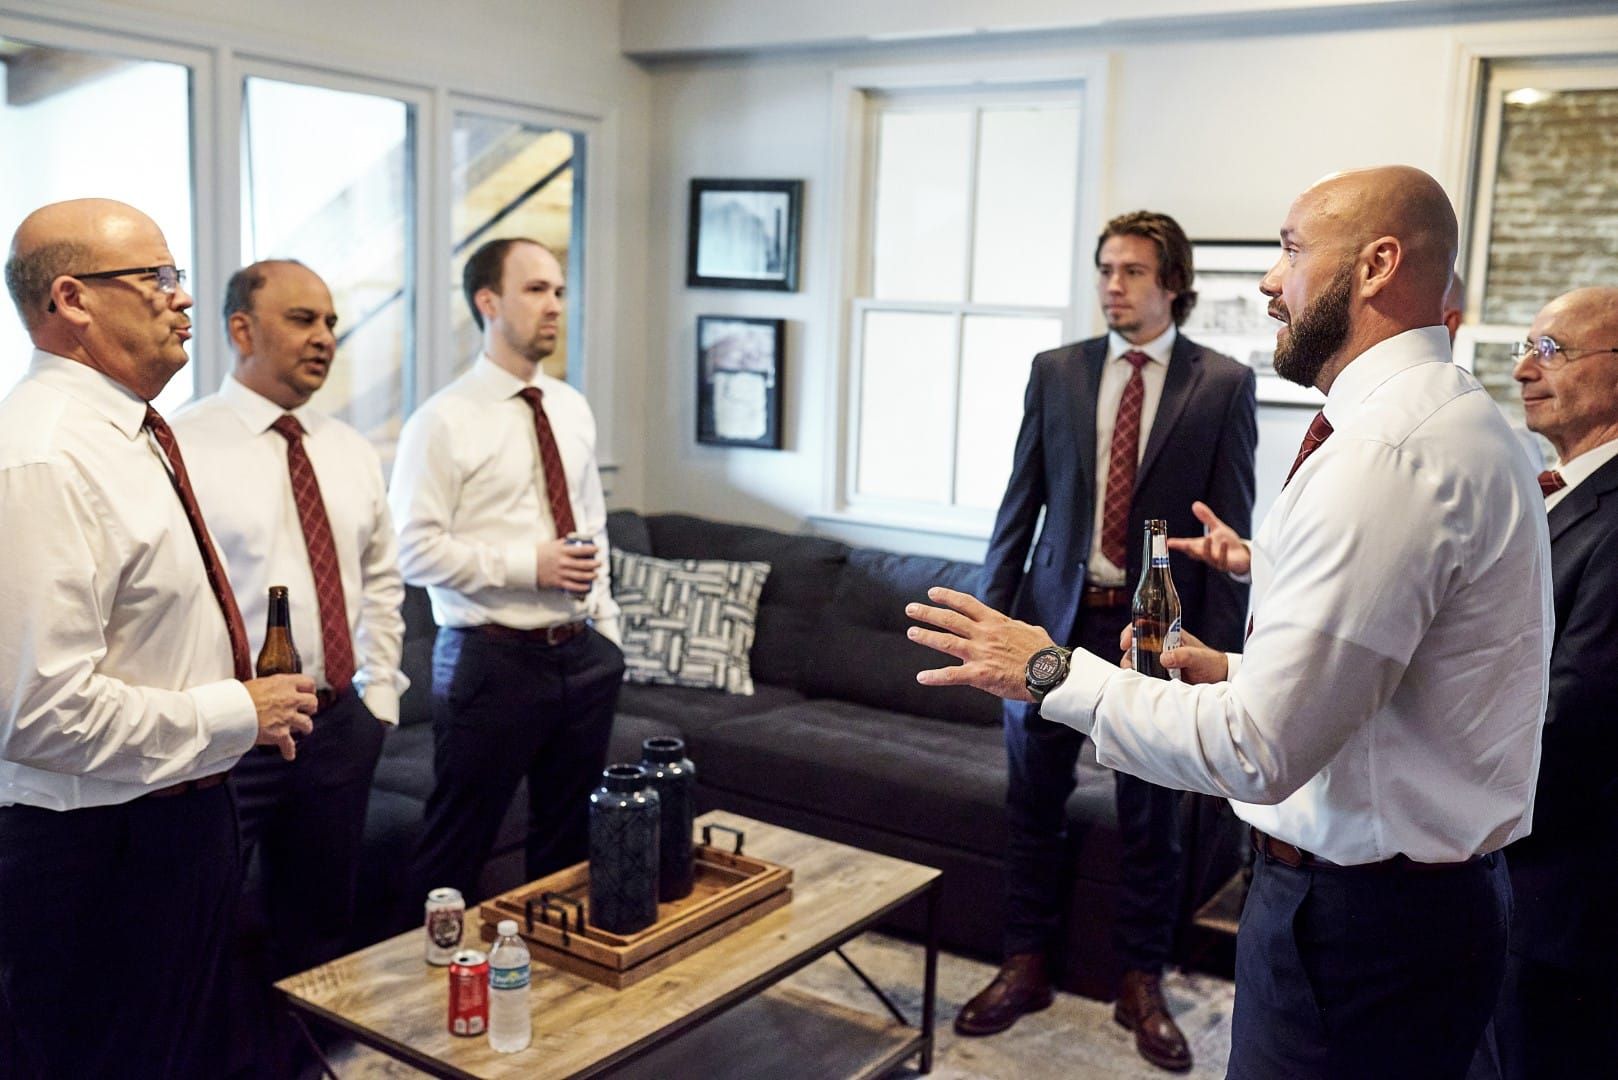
[(731, 890)]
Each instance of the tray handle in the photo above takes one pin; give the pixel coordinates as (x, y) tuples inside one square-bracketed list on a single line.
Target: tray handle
[(709, 830), (560, 902)]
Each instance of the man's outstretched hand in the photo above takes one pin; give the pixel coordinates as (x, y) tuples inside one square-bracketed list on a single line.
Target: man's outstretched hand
[(993, 649), (1219, 547)]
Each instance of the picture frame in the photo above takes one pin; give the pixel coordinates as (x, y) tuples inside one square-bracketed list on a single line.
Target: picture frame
[(743, 234), (1231, 316), (739, 369)]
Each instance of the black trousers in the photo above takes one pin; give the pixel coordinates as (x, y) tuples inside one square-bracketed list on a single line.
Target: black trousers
[(1381, 972), (502, 710), (1042, 756), (1552, 1021), (114, 922)]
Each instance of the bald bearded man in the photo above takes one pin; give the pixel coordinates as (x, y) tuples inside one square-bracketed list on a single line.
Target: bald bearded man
[(1380, 732), (125, 684)]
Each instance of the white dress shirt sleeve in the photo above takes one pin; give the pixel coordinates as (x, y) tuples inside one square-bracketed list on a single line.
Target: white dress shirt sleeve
[(1356, 586), (426, 489), (64, 716), (379, 641)]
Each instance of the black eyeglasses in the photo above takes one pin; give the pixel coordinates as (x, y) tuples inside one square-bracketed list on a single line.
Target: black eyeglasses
[(1546, 350), (169, 278)]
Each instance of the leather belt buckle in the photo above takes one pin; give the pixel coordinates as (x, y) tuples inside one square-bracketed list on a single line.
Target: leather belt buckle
[(556, 635), (1105, 596)]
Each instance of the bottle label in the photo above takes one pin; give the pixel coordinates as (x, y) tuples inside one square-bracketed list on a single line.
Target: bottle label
[(508, 978), (1160, 550), (1171, 640)]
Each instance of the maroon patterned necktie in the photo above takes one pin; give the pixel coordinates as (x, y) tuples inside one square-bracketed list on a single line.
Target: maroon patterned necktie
[(1319, 431), (1550, 482), (1121, 464), (336, 646), (550, 459), (240, 658)]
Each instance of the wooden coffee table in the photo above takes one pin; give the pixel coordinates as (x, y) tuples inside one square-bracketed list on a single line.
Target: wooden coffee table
[(717, 1013)]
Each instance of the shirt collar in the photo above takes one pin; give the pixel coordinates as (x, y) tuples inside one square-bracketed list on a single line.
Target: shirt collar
[(257, 412), (1158, 348), (1381, 362), (120, 405), (1581, 467), (498, 383)]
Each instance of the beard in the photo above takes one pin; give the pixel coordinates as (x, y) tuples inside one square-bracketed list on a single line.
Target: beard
[(533, 348), (1318, 332)]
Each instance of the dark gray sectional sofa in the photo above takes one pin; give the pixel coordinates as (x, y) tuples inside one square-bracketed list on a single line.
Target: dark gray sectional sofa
[(839, 740)]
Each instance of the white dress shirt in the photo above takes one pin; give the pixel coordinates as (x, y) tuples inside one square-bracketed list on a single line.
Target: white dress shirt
[(1115, 375), (1391, 696), (468, 497), (1577, 470), (238, 466), (116, 677)]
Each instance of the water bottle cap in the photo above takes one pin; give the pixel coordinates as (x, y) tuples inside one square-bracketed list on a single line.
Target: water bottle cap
[(507, 928), (662, 749)]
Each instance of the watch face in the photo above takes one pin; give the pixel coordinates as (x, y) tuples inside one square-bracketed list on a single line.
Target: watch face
[(1045, 666)]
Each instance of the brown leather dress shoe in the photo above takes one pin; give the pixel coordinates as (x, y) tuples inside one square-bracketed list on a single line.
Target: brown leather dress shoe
[(1021, 986), (1141, 1009)]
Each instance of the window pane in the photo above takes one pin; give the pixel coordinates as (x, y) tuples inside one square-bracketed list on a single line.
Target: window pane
[(1028, 167), (348, 213), (996, 353), (906, 395), (513, 180), (923, 162), (1552, 187), (75, 124)]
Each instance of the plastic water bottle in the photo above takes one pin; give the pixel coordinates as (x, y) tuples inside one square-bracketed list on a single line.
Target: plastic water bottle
[(510, 1025)]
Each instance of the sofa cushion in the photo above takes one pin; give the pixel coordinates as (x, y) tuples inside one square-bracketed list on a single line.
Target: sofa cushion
[(693, 713), (803, 579), (862, 654), (416, 706), (626, 531), (687, 622)]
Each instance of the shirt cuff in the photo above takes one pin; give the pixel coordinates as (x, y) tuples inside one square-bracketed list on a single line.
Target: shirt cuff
[(382, 698), (226, 712), (1233, 664), (521, 566), (1074, 703)]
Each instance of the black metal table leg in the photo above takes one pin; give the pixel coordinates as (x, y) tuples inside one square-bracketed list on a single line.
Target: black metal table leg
[(314, 1045), (929, 990)]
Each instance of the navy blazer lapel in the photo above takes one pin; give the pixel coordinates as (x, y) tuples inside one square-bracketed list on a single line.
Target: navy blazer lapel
[(1581, 501), (1089, 358), (1185, 371)]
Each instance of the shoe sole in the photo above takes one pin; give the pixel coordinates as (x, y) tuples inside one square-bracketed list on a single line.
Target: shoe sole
[(1168, 1064), (977, 1032)]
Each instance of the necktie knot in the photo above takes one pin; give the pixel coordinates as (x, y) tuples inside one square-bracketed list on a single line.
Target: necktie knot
[(153, 421), (287, 426), (533, 395), (1137, 359), (1550, 482)]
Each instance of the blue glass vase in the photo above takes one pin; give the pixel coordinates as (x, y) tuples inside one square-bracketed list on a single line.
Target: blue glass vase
[(673, 776), (623, 851)]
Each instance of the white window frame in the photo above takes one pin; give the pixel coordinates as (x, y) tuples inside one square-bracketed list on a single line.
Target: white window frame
[(848, 229)]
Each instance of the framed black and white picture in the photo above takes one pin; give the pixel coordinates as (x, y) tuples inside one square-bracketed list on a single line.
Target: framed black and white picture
[(743, 234), (739, 380), (1233, 317)]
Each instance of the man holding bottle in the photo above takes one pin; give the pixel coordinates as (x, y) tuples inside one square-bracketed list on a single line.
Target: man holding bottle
[(296, 499), (1117, 429)]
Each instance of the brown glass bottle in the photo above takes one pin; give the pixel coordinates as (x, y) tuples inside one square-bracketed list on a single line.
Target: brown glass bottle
[(278, 656), (1156, 606)]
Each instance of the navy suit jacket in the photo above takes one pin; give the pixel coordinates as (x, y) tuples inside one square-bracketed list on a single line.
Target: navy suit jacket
[(1565, 873), (1201, 447)]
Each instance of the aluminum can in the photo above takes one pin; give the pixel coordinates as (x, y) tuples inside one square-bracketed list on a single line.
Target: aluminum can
[(469, 992), (446, 920)]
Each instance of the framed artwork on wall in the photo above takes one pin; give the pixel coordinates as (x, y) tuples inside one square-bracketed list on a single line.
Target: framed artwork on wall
[(1232, 316), (739, 363), (743, 234)]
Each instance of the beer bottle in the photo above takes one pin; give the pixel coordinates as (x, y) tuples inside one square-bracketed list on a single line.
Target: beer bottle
[(1156, 606), (278, 656)]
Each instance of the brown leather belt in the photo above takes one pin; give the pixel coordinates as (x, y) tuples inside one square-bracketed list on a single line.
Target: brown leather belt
[(1290, 855), (202, 783), (1105, 596), (544, 635)]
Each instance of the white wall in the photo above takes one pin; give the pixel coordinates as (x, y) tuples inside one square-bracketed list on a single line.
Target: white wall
[(1219, 128)]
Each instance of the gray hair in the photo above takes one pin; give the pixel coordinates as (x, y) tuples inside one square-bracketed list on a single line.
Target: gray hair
[(29, 275)]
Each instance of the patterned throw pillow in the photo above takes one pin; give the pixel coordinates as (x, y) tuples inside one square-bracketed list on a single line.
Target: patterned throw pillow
[(687, 622)]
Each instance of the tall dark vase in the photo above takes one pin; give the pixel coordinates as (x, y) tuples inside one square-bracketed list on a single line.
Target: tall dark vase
[(673, 775), (623, 851)]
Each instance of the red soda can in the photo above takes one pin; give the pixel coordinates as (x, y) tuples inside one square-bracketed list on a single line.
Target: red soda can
[(469, 993)]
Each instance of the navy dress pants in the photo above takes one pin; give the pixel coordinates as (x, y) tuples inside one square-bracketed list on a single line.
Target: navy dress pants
[(1043, 756), (503, 710), (114, 922), (1382, 972)]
